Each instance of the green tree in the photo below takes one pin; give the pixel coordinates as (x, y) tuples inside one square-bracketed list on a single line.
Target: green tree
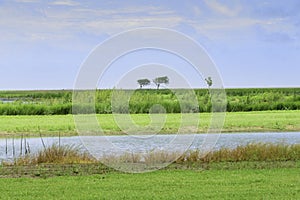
[(161, 80), (209, 81), (143, 82)]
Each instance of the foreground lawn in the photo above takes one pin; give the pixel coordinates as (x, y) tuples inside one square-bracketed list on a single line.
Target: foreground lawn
[(234, 122), (282, 183)]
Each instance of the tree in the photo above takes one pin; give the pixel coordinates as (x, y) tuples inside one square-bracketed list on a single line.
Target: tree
[(209, 81), (161, 80), (143, 82)]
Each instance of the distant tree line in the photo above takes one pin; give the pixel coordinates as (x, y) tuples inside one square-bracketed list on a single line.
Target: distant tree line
[(165, 80)]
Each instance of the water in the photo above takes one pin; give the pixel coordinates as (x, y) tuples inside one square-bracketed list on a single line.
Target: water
[(7, 100), (117, 144)]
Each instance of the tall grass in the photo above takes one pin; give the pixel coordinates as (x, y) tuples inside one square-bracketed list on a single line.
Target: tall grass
[(71, 157), (60, 102), (56, 154), (70, 160), (251, 152)]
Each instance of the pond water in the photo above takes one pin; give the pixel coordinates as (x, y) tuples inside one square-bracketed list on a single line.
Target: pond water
[(7, 100), (10, 148)]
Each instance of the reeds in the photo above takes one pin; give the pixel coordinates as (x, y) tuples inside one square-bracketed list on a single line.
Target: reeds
[(251, 152), (67, 154)]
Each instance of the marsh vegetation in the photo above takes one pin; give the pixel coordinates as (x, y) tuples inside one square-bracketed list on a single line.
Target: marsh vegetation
[(60, 102)]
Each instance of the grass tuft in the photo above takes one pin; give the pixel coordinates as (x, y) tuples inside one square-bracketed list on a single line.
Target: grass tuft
[(56, 154)]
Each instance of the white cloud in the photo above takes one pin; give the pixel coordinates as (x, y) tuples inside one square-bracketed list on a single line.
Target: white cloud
[(50, 23), (220, 29), (113, 26), (222, 9), (55, 24), (27, 1), (111, 21), (65, 3), (133, 10), (229, 24)]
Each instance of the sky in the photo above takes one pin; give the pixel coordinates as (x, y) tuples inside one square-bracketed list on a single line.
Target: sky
[(43, 44)]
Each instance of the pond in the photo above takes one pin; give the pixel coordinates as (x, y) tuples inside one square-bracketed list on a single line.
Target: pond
[(10, 148), (3, 100)]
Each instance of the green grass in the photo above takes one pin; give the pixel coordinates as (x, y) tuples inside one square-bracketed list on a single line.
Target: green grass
[(234, 122), (257, 171), (60, 101), (262, 121), (166, 184), (230, 176)]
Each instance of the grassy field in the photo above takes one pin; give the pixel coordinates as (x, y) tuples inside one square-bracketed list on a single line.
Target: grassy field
[(281, 183), (174, 101), (234, 122), (275, 176), (257, 179), (253, 172)]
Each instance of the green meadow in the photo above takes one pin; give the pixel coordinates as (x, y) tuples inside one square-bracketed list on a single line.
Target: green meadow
[(255, 121), (255, 171), (279, 183)]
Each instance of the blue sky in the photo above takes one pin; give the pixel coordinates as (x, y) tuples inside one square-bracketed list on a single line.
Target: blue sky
[(253, 43)]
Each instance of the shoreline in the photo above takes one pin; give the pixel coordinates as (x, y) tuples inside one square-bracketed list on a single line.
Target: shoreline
[(4, 135)]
